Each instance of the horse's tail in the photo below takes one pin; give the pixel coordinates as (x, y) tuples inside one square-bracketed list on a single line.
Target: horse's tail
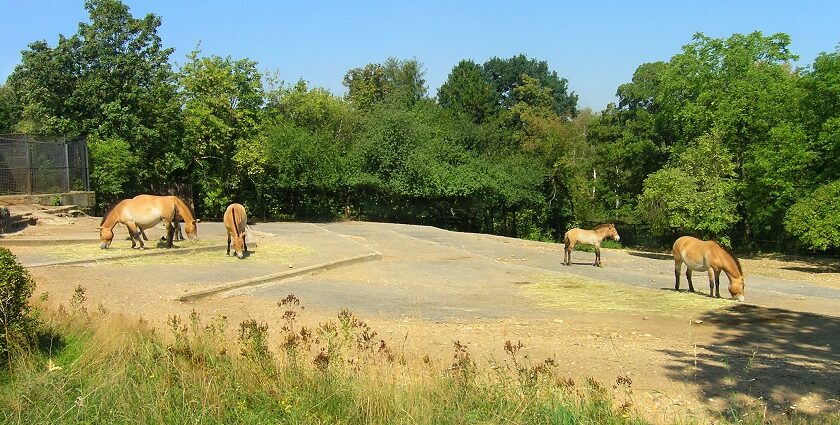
[(233, 219), (566, 240)]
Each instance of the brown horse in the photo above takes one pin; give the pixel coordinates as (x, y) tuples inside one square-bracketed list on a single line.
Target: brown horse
[(184, 213), (588, 237), (137, 214), (235, 220), (711, 257)]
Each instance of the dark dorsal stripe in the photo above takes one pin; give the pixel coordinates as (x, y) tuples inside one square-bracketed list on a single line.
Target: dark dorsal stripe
[(233, 216)]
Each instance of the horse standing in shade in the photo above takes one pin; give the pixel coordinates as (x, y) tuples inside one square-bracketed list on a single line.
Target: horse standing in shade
[(184, 213), (138, 214), (708, 256), (235, 220), (588, 237)]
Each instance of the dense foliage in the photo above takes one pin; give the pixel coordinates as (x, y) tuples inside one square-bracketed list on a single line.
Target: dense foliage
[(719, 141), (17, 325)]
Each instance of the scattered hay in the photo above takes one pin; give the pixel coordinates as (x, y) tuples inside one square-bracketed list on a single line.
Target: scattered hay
[(262, 252), (587, 295)]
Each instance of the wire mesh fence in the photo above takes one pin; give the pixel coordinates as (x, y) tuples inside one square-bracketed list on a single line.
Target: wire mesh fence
[(32, 164)]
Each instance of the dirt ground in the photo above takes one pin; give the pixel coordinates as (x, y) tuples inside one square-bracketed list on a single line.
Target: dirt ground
[(689, 357)]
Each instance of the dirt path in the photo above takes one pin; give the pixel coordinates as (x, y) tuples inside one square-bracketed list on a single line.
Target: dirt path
[(688, 356)]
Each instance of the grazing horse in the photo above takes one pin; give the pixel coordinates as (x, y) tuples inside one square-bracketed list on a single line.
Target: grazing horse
[(235, 220), (137, 214), (184, 213), (708, 256), (588, 237)]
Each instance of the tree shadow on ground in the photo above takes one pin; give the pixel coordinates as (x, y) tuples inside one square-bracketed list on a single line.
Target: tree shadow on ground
[(807, 263), (814, 269), (652, 255), (766, 356)]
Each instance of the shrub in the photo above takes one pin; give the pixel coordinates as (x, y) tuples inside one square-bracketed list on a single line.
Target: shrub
[(16, 286)]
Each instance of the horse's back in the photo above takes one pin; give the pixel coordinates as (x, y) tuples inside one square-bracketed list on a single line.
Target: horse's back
[(235, 213), (692, 252), (146, 210)]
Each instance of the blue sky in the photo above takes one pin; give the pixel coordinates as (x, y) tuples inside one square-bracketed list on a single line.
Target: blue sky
[(596, 46)]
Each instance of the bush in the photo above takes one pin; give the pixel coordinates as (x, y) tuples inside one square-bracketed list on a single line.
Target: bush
[(16, 286), (815, 219)]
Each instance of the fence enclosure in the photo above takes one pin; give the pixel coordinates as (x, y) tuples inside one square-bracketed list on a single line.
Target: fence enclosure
[(31, 164)]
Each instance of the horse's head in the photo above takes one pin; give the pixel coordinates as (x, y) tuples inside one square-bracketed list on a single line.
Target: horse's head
[(239, 245), (191, 228), (614, 233), (737, 287), (106, 236)]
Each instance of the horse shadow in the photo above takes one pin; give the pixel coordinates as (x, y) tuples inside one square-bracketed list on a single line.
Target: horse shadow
[(772, 355)]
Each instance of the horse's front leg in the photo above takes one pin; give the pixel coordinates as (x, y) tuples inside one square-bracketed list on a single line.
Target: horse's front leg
[(717, 283), (228, 249), (170, 232), (598, 256), (134, 232)]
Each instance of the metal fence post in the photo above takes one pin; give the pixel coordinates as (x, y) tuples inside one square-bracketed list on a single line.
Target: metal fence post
[(28, 169), (67, 185)]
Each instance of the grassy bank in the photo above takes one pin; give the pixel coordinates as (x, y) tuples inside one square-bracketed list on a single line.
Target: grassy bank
[(96, 367)]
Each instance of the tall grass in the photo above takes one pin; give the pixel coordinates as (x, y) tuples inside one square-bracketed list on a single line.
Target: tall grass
[(96, 367)]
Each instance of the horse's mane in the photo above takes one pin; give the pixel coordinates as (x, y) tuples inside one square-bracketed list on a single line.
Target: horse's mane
[(734, 258), (602, 226), (108, 211)]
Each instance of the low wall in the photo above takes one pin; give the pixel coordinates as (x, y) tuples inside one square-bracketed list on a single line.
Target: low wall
[(85, 200)]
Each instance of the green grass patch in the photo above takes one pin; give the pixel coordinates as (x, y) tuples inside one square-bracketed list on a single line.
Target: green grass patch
[(588, 295)]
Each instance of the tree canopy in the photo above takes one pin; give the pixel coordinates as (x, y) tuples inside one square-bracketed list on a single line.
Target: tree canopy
[(725, 139)]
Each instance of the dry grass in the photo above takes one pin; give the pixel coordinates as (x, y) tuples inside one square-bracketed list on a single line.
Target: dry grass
[(587, 295)]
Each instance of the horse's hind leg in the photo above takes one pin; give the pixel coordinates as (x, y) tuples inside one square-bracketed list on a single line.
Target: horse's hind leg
[(688, 277), (677, 270)]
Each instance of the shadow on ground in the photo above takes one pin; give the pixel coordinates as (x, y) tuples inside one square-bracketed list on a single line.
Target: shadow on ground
[(651, 255), (773, 354), (814, 269)]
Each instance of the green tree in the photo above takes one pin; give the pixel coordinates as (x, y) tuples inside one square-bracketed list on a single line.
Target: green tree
[(468, 91), (822, 114), (401, 81), (112, 79), (695, 193), (222, 101), (815, 219), (10, 111), (507, 74)]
